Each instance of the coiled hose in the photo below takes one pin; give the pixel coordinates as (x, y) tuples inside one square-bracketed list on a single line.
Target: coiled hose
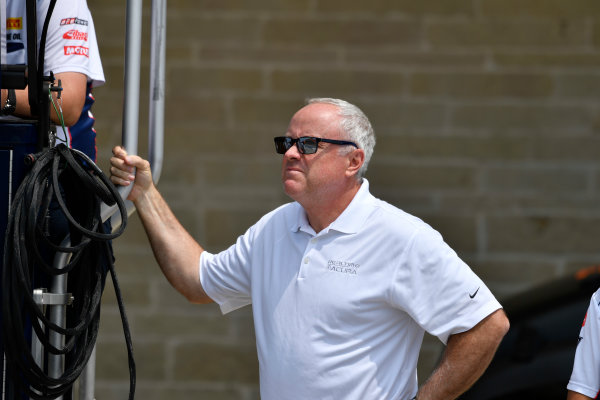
[(63, 185)]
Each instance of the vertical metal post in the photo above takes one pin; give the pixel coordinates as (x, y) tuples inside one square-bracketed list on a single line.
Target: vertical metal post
[(58, 314), (130, 119), (37, 349), (133, 49), (157, 86), (131, 105), (87, 379)]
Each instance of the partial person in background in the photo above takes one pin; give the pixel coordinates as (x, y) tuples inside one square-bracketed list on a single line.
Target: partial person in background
[(585, 379), (71, 53), (343, 285)]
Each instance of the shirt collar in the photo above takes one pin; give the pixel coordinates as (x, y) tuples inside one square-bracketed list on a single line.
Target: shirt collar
[(349, 221)]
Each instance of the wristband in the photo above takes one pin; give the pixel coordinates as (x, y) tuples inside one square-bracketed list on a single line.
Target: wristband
[(11, 102)]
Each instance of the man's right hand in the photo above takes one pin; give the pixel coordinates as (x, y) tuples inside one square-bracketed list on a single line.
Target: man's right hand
[(126, 169), (176, 252)]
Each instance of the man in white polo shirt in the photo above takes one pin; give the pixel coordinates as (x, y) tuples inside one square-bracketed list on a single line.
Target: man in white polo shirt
[(585, 379), (342, 285)]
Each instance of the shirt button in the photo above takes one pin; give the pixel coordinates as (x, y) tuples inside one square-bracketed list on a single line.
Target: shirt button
[(314, 240), (306, 260)]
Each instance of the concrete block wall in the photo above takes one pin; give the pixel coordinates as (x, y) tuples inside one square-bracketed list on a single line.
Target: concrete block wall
[(487, 114)]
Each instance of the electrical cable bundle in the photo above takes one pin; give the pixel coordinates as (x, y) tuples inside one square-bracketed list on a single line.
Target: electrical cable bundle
[(61, 195)]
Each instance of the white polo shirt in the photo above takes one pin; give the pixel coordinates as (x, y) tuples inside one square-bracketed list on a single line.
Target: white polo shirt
[(585, 378), (341, 314)]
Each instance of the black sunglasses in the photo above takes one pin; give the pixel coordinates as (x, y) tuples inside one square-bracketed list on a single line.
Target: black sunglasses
[(305, 144)]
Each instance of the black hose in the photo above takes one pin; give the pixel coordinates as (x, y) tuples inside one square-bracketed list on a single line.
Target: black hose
[(64, 187)]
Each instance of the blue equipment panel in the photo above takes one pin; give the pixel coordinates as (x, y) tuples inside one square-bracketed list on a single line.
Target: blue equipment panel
[(17, 139)]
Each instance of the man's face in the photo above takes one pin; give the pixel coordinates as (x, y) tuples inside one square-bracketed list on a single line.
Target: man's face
[(310, 177)]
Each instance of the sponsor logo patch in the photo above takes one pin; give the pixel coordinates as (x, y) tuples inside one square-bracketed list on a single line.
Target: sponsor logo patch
[(71, 21), (74, 34), (13, 36), (77, 50), (14, 23)]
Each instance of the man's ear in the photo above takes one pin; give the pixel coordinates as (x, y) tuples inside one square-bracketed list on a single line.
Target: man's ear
[(355, 160)]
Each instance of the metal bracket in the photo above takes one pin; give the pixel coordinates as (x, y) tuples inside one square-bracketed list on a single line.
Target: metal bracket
[(42, 297)]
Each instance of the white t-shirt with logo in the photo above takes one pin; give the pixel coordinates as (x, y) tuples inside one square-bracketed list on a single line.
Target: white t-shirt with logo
[(71, 46), (70, 43), (341, 314), (585, 378)]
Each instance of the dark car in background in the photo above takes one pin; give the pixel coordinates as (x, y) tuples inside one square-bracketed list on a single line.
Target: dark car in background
[(535, 359)]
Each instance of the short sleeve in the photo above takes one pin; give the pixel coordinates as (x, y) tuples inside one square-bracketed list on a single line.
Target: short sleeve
[(585, 378), (71, 44), (437, 289), (225, 276)]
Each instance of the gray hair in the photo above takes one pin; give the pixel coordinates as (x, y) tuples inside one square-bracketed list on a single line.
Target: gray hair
[(356, 125)]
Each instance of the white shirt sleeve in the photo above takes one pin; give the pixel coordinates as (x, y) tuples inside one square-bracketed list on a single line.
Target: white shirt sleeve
[(585, 378), (71, 44), (438, 290), (225, 276)]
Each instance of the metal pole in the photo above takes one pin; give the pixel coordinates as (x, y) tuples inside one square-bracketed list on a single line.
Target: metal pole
[(37, 348), (156, 113), (133, 46), (58, 314), (157, 86), (87, 379), (133, 49), (129, 138)]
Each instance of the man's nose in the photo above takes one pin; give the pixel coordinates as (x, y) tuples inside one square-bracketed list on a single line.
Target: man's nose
[(293, 151)]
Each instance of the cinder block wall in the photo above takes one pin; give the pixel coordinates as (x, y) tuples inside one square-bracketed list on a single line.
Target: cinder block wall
[(488, 124)]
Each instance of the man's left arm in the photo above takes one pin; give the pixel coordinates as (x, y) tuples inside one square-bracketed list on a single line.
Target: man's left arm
[(466, 357)]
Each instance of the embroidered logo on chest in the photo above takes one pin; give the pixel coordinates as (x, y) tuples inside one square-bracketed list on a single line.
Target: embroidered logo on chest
[(343, 267)]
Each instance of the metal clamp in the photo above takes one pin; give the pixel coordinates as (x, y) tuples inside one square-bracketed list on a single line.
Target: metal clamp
[(42, 297)]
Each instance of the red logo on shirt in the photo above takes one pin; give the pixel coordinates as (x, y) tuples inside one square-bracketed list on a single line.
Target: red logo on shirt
[(77, 50), (71, 21), (74, 34)]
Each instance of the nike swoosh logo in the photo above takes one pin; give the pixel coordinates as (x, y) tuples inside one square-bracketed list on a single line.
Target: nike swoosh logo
[(474, 294)]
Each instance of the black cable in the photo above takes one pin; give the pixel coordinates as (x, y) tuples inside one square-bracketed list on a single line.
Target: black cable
[(63, 188)]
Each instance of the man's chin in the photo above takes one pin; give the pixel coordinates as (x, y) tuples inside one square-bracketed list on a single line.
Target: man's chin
[(292, 188)]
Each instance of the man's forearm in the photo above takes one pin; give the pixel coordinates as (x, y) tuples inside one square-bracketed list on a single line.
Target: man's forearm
[(176, 252), (577, 396), (466, 357)]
